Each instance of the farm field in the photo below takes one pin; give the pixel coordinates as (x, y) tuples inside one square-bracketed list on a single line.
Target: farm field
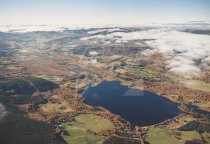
[(77, 130)]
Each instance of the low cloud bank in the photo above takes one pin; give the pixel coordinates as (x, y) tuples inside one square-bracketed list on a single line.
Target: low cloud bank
[(29, 28), (186, 54), (109, 30)]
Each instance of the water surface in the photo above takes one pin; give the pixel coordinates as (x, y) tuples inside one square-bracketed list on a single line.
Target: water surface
[(138, 107)]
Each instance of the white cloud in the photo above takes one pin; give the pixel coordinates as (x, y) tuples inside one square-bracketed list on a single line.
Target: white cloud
[(206, 63), (104, 30), (186, 54), (93, 53), (28, 28)]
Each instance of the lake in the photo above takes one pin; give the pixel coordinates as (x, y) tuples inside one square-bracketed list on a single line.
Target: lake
[(138, 107)]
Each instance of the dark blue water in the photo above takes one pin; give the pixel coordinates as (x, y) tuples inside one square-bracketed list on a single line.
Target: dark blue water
[(138, 107)]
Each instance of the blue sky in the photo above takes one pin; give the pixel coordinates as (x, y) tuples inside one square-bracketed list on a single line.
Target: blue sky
[(102, 12)]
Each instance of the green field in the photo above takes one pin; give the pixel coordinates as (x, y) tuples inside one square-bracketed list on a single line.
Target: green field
[(53, 78), (197, 85), (142, 73), (80, 85), (56, 107), (75, 85), (206, 137), (192, 84), (173, 77), (189, 135), (77, 129), (160, 136)]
